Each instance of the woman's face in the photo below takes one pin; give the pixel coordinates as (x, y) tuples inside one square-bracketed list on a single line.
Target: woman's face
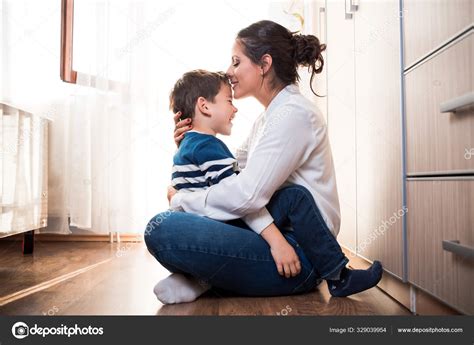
[(244, 75)]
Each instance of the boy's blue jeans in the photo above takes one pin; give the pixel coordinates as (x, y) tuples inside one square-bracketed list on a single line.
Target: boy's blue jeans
[(231, 257)]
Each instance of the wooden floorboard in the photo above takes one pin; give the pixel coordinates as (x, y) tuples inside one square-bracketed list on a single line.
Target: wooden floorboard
[(49, 260), (123, 285)]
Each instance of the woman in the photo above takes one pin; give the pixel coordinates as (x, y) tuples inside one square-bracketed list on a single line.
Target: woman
[(287, 167)]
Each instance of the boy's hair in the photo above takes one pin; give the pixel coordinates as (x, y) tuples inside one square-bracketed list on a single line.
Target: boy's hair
[(191, 86)]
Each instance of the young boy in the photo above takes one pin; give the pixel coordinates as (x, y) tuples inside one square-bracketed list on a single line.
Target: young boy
[(203, 160)]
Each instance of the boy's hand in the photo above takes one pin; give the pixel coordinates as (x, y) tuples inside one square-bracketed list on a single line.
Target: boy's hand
[(171, 193), (181, 127), (286, 259)]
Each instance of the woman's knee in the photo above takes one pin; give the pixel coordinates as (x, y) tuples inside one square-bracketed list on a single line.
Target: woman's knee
[(157, 227)]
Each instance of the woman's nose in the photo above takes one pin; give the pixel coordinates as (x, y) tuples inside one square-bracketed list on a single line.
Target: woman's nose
[(229, 73)]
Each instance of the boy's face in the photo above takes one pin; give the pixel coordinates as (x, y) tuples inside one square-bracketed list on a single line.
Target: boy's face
[(222, 111)]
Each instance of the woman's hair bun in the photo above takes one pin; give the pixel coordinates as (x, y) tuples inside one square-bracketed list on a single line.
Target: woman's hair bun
[(288, 50), (308, 51)]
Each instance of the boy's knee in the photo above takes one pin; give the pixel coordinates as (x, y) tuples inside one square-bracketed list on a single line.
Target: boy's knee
[(299, 189)]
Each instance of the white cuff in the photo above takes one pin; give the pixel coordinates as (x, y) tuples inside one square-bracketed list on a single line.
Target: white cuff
[(175, 201), (259, 220)]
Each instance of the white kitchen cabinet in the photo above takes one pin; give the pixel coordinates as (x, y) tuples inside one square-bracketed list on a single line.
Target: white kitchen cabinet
[(341, 115), (379, 133), (363, 78)]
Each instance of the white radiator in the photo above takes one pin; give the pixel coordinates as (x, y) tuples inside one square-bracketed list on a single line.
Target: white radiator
[(23, 171)]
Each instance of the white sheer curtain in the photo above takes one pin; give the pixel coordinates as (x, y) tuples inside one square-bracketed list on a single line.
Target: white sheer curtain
[(111, 140)]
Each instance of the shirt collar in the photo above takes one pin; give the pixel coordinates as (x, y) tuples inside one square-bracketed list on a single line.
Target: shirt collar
[(195, 131), (281, 98)]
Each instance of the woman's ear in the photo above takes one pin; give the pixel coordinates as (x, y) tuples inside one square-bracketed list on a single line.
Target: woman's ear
[(202, 105), (266, 63)]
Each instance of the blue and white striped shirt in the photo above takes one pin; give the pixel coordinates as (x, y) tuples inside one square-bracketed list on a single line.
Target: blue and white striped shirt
[(201, 161)]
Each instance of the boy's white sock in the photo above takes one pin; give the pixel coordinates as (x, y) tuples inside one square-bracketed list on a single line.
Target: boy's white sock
[(178, 288)]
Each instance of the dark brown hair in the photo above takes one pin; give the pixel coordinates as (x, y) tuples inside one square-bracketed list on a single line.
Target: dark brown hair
[(287, 49), (191, 86)]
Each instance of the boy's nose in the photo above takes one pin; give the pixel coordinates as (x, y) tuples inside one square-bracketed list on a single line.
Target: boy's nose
[(235, 110)]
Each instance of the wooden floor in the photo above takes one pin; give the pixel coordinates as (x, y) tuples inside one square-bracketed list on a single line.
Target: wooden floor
[(100, 278)]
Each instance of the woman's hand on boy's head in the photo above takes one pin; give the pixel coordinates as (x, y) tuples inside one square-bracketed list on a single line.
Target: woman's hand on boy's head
[(181, 127), (171, 193)]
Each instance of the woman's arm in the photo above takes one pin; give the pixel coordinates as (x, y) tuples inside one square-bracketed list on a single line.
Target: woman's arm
[(282, 148)]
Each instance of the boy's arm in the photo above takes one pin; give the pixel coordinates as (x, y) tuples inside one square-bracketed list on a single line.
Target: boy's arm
[(214, 160), (285, 257)]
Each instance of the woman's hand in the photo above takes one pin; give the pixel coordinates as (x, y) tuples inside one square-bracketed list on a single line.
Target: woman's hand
[(181, 127), (285, 257), (171, 193)]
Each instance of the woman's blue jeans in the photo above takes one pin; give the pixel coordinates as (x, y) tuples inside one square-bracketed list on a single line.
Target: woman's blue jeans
[(231, 257)]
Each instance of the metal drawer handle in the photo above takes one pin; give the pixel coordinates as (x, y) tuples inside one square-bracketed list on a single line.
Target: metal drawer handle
[(454, 104), (456, 248)]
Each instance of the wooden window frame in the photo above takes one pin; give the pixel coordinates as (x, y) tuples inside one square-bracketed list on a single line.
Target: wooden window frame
[(67, 73)]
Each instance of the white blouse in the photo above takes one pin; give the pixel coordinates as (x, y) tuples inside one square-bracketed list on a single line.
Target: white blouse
[(288, 144)]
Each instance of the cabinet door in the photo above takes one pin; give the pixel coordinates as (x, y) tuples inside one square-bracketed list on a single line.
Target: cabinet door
[(378, 133), (341, 114)]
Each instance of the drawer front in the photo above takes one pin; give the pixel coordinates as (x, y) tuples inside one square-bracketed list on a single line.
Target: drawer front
[(442, 210), (429, 23), (440, 142)]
